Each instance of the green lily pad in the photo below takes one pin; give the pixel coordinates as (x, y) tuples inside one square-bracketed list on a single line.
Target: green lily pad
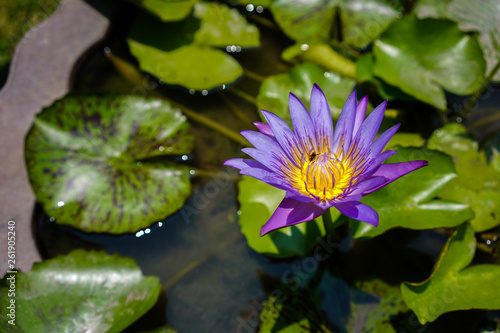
[(478, 181), (222, 26), (364, 72), (452, 286), (85, 161), (405, 140), (274, 91), (258, 202), (471, 16), (167, 10), (409, 201), (80, 292), (364, 20), (310, 21), (183, 52), (422, 57)]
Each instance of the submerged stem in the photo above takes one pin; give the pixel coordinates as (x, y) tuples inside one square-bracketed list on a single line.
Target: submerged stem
[(471, 102), (135, 76), (193, 115)]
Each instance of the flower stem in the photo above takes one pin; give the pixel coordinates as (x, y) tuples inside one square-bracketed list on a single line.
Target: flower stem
[(218, 127), (134, 75), (329, 224)]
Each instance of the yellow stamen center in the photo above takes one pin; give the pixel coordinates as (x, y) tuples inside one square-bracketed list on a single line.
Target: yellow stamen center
[(323, 175)]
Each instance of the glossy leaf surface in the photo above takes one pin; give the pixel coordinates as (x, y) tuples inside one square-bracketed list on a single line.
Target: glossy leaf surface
[(410, 202), (423, 57), (452, 286), (82, 291)]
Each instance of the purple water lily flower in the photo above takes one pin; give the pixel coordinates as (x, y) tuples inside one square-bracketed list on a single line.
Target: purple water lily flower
[(318, 167)]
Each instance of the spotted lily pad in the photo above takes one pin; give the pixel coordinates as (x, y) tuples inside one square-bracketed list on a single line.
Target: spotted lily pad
[(86, 161), (452, 285), (478, 181), (186, 52), (258, 201), (273, 95), (423, 57), (80, 292), (410, 202)]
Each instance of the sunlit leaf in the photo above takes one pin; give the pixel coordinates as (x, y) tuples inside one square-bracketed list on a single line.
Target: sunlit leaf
[(472, 16), (364, 72), (258, 201), (183, 52), (167, 10), (453, 287), (406, 140), (410, 202), (364, 20), (221, 26), (423, 57), (305, 20), (85, 161), (80, 292), (478, 181), (273, 95)]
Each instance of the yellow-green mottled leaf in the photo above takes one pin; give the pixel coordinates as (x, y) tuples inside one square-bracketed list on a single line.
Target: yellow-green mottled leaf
[(478, 181)]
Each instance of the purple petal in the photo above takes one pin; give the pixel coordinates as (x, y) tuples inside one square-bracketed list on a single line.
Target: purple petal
[(379, 144), (370, 126), (301, 121), (359, 211), (262, 141), (367, 184), (345, 124), (243, 163), (360, 114), (263, 128), (393, 171), (321, 116), (266, 158), (376, 162), (282, 132), (291, 212), (296, 195), (267, 177)]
